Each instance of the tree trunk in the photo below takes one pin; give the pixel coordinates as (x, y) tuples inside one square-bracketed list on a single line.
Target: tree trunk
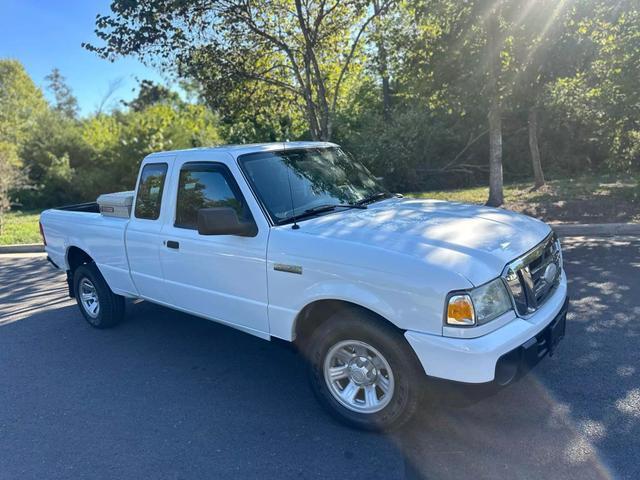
[(386, 89), (386, 98), (533, 147), (315, 79), (496, 197), (383, 65), (311, 110)]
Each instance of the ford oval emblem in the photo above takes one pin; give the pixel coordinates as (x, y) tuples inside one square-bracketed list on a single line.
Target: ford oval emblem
[(550, 273)]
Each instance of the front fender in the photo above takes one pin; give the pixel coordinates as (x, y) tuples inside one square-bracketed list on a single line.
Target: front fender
[(282, 320)]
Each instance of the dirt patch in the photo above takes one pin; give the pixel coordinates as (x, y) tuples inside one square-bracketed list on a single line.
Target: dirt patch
[(588, 199), (579, 211), (587, 203)]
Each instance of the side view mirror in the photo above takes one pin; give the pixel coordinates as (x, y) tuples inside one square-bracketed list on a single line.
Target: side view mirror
[(224, 221)]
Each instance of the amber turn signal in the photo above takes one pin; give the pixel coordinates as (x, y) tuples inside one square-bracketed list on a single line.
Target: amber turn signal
[(460, 310)]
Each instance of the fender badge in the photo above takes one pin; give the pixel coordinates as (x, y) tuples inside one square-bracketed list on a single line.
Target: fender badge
[(281, 267)]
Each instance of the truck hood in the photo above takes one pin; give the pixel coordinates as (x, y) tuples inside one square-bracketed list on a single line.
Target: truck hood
[(474, 241)]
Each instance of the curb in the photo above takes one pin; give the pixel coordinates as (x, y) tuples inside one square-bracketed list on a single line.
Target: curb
[(25, 248), (596, 229)]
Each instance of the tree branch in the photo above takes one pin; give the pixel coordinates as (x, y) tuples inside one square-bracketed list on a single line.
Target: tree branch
[(352, 52)]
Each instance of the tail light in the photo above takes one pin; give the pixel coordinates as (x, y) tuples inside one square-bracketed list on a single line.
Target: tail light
[(44, 239)]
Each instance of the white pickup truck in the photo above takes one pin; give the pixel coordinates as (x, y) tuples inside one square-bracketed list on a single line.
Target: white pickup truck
[(298, 241)]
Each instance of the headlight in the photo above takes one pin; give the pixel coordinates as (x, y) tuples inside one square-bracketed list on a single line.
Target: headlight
[(480, 305)]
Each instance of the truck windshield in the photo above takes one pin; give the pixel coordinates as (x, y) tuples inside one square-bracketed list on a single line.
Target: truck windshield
[(292, 182)]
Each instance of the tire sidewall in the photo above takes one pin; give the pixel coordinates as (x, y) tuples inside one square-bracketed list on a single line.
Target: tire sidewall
[(89, 272), (350, 325)]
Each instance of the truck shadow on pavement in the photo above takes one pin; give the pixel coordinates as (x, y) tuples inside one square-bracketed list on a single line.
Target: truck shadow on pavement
[(28, 285), (168, 395)]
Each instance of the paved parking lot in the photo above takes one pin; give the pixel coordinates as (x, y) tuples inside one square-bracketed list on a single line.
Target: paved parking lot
[(167, 395)]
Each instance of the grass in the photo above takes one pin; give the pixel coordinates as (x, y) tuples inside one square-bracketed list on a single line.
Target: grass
[(20, 227), (586, 199)]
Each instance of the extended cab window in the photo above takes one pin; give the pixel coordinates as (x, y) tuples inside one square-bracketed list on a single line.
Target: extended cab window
[(150, 190), (206, 186)]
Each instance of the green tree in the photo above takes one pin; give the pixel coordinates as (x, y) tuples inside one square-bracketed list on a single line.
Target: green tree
[(22, 106), (159, 127), (10, 177), (302, 49), (611, 90), (21, 102), (151, 93), (450, 66), (65, 103), (543, 51), (50, 155)]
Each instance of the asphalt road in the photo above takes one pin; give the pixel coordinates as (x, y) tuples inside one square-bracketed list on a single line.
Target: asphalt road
[(166, 395)]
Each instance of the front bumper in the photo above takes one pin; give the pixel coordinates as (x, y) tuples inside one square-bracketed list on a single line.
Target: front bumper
[(522, 359), (497, 356)]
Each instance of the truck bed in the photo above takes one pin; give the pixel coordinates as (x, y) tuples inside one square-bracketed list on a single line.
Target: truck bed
[(88, 207), (101, 237)]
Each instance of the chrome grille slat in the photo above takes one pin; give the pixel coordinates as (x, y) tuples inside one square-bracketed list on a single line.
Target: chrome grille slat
[(543, 265), (527, 277)]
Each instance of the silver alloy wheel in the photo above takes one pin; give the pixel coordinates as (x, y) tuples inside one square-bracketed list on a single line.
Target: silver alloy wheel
[(89, 298), (358, 376)]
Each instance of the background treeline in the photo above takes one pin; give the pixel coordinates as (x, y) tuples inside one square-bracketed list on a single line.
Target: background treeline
[(428, 93), (50, 157)]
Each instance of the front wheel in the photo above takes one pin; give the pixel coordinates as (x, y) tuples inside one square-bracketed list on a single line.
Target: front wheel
[(98, 304), (364, 372)]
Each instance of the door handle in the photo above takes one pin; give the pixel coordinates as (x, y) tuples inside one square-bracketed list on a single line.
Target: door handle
[(173, 244)]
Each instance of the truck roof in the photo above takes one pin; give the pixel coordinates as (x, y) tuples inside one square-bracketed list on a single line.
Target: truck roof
[(236, 150)]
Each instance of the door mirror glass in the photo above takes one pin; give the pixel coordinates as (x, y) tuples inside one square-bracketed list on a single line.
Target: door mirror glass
[(224, 221)]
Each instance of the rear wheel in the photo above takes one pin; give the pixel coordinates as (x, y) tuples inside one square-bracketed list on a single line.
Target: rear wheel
[(98, 304), (364, 372)]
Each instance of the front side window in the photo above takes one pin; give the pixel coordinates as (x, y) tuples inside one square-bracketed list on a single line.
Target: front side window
[(292, 182), (206, 186), (149, 197)]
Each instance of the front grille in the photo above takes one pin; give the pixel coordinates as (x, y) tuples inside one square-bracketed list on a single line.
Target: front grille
[(533, 277)]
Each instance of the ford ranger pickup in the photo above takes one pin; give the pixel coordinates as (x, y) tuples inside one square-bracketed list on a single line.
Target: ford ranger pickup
[(298, 241)]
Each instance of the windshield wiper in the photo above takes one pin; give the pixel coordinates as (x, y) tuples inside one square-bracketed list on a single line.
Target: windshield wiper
[(333, 206), (372, 198), (309, 212)]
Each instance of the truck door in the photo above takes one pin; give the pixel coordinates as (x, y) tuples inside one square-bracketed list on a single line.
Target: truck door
[(220, 277), (143, 236)]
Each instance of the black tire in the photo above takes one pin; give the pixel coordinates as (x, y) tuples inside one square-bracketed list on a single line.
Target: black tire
[(111, 306), (409, 377)]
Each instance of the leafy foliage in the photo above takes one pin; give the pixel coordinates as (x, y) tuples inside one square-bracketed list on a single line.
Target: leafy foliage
[(21, 102), (405, 86), (301, 49), (68, 160), (21, 106), (151, 93), (10, 176), (65, 102)]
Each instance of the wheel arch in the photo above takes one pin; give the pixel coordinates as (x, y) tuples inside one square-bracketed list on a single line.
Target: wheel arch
[(315, 313), (75, 257)]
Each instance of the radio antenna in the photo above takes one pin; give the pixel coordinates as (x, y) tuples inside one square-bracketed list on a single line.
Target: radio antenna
[(295, 225)]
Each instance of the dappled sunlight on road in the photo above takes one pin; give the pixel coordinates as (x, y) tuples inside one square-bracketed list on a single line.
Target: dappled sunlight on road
[(521, 432), (28, 284), (596, 369), (170, 386)]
